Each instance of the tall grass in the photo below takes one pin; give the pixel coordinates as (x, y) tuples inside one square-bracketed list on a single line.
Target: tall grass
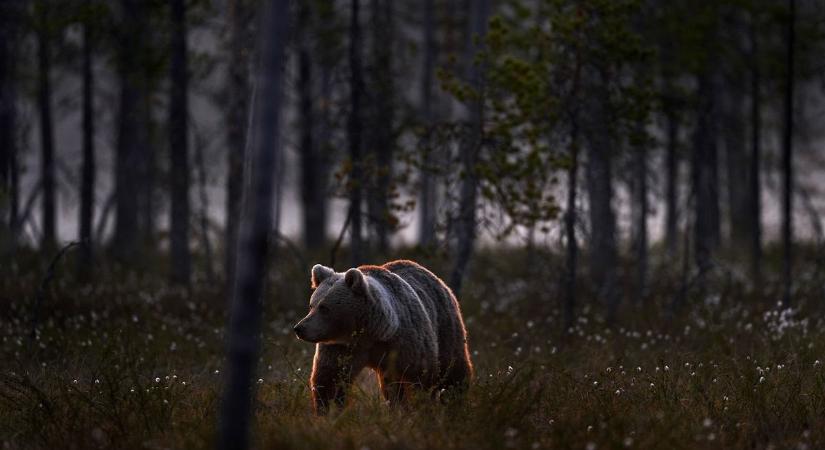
[(127, 362)]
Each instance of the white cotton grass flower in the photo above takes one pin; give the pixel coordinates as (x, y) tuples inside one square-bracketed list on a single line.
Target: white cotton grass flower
[(707, 422)]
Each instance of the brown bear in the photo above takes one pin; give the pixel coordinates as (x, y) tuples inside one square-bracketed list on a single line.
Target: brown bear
[(399, 319)]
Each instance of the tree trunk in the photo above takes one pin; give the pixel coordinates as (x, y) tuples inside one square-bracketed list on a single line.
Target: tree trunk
[(382, 129), (735, 160), (327, 66), (572, 249), (203, 214), (244, 326), (8, 117), (239, 91), (600, 195), (755, 182), (147, 214), (14, 194), (470, 148), (44, 99), (130, 133), (787, 158), (704, 175), (87, 188), (313, 182), (672, 182), (640, 240), (178, 148), (354, 136), (427, 198), (671, 106)]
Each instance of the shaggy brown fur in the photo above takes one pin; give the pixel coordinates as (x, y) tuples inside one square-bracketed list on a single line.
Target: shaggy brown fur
[(399, 319)]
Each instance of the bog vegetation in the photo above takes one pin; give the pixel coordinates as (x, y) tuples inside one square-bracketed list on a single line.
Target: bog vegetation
[(130, 363), (625, 195)]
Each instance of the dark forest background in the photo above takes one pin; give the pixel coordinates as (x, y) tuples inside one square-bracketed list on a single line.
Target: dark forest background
[(608, 129), (625, 162)]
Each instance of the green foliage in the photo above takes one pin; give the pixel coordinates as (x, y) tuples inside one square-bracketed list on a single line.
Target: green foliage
[(543, 65)]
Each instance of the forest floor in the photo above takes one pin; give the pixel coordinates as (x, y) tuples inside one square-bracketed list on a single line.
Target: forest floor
[(127, 362)]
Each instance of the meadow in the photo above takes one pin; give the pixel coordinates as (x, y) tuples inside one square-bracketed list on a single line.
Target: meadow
[(128, 362)]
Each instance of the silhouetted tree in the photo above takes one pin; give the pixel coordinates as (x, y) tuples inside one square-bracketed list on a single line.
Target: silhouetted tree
[(178, 147), (238, 93), (381, 137), (44, 100), (670, 109), (470, 147), (131, 135), (313, 170), (354, 136), (570, 215), (427, 197), (244, 327), (736, 158), (787, 155), (755, 164), (599, 173), (704, 174), (10, 18), (641, 212), (87, 186)]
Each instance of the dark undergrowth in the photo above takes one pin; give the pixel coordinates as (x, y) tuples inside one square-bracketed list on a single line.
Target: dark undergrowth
[(128, 362)]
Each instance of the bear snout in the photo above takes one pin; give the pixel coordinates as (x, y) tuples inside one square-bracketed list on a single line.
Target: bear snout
[(299, 330), (305, 332)]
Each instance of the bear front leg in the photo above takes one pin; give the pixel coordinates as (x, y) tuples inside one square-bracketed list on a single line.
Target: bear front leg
[(333, 370), (393, 388)]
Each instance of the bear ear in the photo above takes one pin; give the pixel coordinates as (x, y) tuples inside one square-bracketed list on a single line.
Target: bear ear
[(320, 273), (355, 281)]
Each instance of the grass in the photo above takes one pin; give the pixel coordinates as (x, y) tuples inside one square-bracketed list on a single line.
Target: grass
[(127, 362)]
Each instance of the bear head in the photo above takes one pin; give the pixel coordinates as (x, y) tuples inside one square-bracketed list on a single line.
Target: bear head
[(344, 305)]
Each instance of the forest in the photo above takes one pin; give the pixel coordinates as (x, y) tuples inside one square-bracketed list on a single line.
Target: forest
[(624, 196)]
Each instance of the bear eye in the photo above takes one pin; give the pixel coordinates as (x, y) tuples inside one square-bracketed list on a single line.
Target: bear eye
[(323, 309)]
